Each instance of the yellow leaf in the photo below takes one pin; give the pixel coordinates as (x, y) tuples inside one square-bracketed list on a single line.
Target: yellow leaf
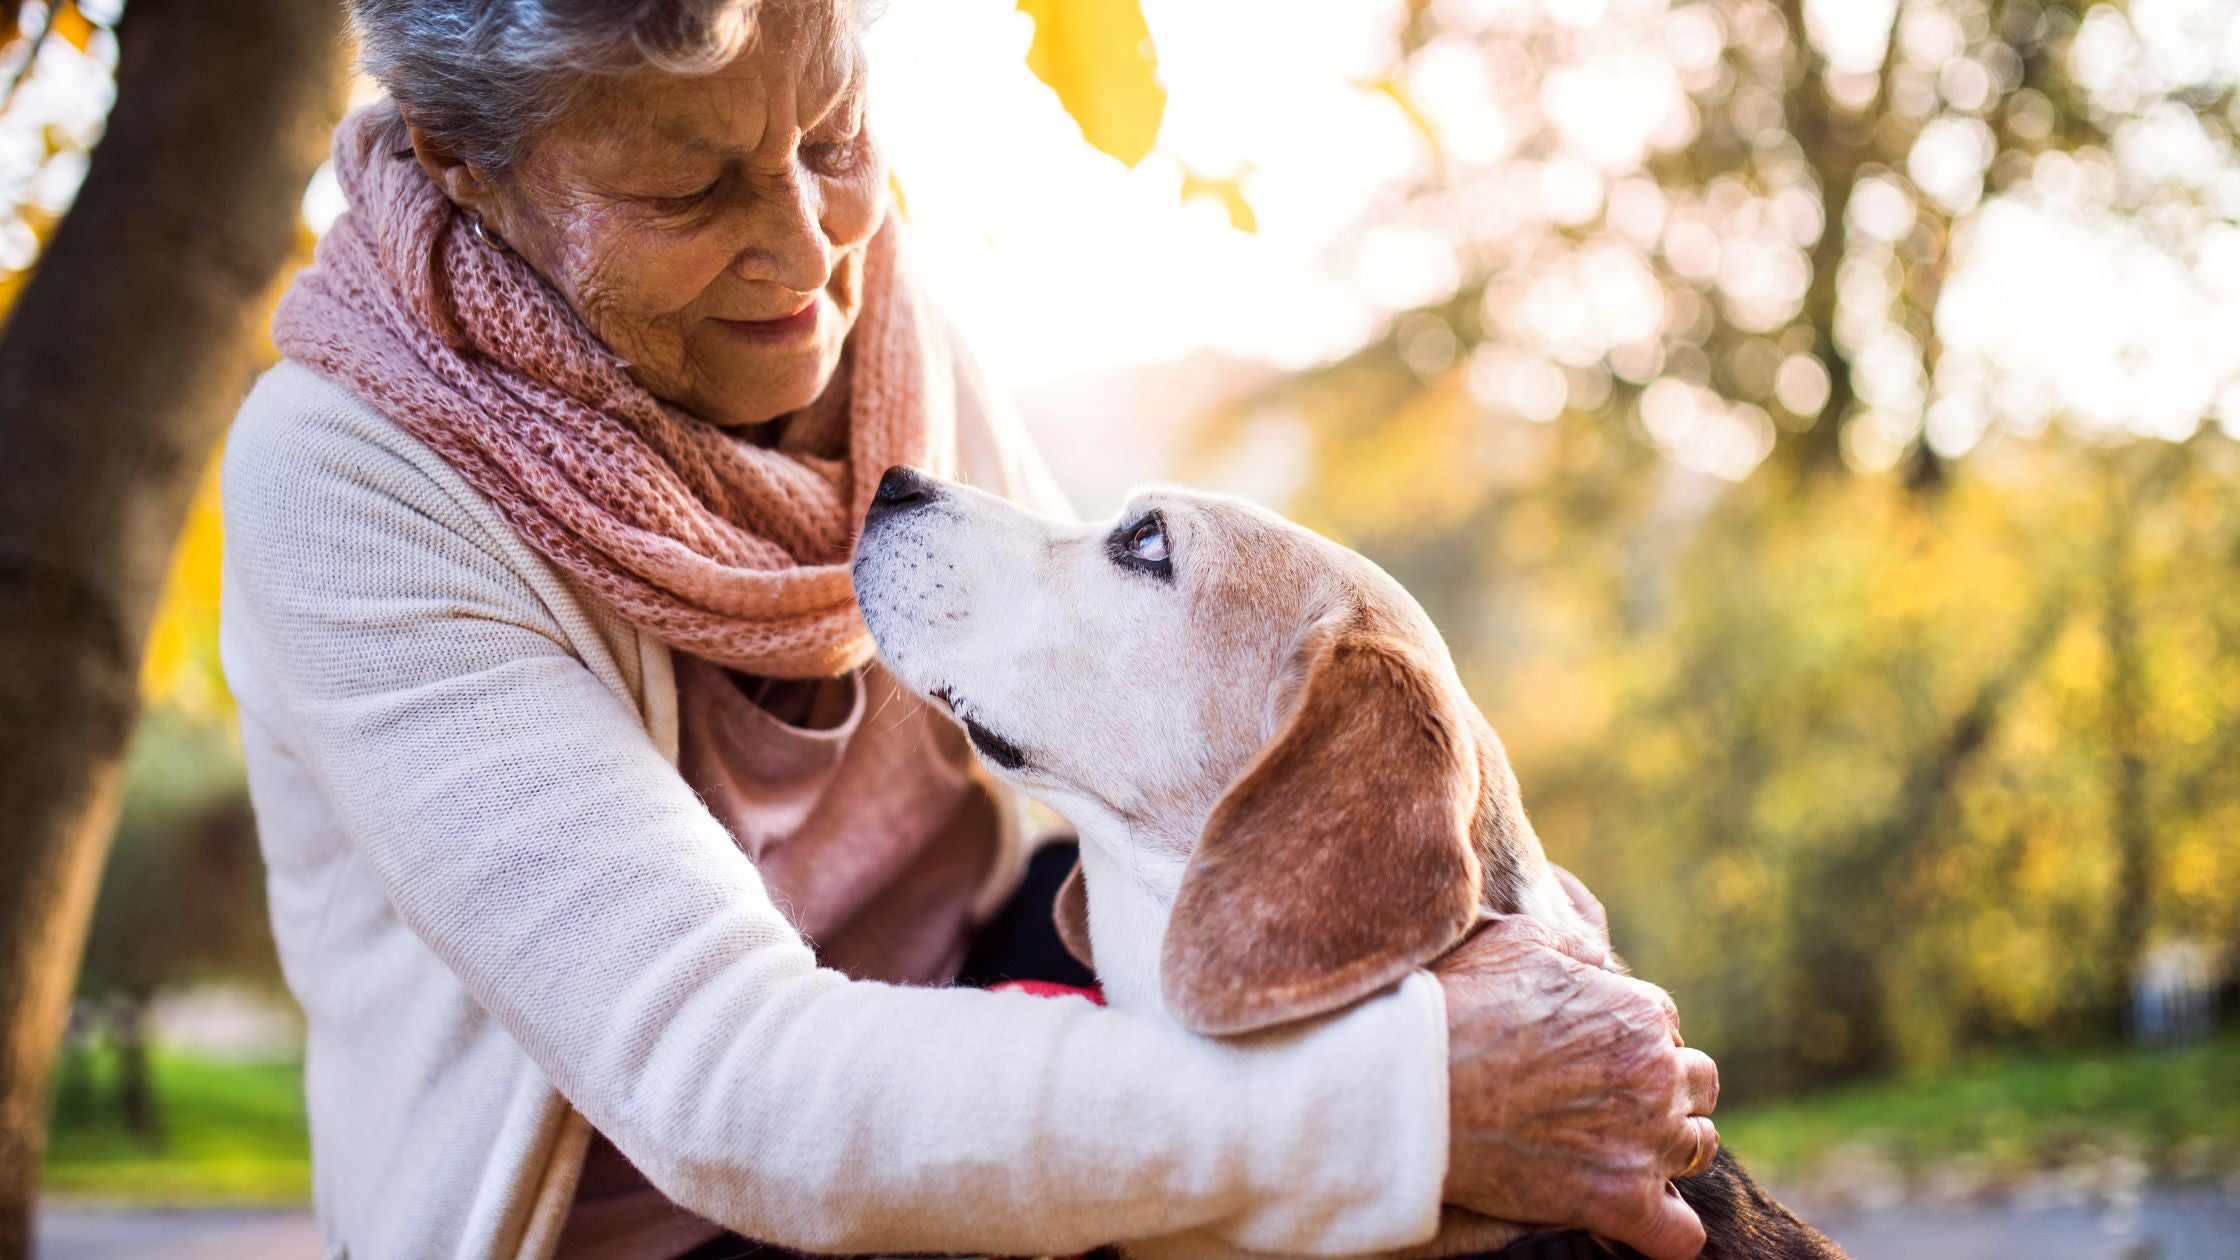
[(1097, 56), (71, 25), (1229, 192), (1391, 90), (894, 194)]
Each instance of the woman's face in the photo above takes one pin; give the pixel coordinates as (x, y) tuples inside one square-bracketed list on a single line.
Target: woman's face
[(711, 229)]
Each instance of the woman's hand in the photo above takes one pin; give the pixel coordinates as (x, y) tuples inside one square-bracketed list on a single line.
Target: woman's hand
[(1571, 1098)]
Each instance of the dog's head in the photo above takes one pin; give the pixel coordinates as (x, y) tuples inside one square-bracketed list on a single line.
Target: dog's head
[(1268, 719)]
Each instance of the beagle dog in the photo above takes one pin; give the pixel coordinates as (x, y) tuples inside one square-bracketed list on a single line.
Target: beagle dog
[(1285, 799)]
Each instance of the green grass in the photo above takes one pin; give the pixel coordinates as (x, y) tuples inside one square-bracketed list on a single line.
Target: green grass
[(234, 1133), (229, 1133), (2177, 1112)]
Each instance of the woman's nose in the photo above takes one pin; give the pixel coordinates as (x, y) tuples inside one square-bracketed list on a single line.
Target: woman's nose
[(785, 244)]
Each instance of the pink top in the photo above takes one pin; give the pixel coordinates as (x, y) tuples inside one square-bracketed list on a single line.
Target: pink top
[(866, 815)]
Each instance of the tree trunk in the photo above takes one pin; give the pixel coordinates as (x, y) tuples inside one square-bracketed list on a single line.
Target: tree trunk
[(136, 1092), (121, 363), (2132, 899), (1838, 147)]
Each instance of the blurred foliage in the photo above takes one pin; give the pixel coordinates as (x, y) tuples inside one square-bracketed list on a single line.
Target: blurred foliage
[(182, 900), (1886, 687), (233, 1133), (181, 669), (183, 895), (2103, 1120)]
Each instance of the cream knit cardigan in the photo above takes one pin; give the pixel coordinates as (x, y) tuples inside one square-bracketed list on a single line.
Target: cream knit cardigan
[(508, 919)]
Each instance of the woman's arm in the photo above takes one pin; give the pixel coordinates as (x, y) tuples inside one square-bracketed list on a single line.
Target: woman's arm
[(527, 829)]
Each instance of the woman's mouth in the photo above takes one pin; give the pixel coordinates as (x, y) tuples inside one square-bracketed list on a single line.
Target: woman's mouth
[(784, 328)]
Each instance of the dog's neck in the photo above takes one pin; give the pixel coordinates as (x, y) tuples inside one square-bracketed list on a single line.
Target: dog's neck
[(1131, 895)]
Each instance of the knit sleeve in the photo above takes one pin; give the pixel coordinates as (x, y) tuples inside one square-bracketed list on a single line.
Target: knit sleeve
[(525, 827)]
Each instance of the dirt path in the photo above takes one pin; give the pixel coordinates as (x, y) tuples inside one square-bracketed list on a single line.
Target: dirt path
[(95, 1233), (2163, 1224)]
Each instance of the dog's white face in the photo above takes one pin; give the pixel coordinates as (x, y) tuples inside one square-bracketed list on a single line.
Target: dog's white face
[(1256, 727), (1118, 670)]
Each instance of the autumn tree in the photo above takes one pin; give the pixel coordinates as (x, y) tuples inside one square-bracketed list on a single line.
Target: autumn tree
[(1810, 494), (121, 362)]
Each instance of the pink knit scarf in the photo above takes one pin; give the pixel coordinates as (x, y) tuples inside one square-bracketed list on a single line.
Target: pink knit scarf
[(728, 549)]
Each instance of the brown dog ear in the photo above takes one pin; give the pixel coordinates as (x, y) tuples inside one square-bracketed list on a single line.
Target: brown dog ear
[(1341, 859), (1071, 913)]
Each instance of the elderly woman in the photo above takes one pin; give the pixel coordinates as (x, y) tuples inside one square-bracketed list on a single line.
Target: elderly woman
[(619, 886)]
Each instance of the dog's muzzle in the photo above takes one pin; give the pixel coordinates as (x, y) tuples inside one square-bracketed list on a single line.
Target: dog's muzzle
[(903, 489)]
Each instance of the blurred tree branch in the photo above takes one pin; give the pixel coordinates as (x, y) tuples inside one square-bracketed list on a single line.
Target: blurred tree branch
[(1913, 726), (120, 365), (1839, 981), (1841, 146)]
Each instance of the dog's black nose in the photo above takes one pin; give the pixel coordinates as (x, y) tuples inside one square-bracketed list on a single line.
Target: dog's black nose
[(902, 489)]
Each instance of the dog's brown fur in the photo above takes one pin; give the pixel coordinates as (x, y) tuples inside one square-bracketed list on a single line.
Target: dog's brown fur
[(1399, 843), (1742, 1222), (1360, 844), (1337, 813)]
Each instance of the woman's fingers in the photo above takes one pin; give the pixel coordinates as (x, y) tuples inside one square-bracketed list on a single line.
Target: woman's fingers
[(1671, 1015), (1694, 1145), (1499, 937), (1660, 1226), (1570, 1098), (1699, 1081), (1663, 1226)]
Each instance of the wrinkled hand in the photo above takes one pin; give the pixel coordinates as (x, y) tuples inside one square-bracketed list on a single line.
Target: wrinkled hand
[(1571, 1098)]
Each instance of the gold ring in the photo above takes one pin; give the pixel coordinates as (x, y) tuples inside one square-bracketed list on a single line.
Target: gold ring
[(1705, 1152)]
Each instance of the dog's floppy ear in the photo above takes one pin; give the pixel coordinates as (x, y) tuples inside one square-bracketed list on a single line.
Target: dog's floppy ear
[(1071, 913), (1341, 859)]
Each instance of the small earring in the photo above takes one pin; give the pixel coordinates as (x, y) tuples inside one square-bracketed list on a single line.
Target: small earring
[(488, 237)]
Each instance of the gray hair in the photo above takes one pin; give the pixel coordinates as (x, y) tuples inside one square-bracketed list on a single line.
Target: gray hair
[(485, 77)]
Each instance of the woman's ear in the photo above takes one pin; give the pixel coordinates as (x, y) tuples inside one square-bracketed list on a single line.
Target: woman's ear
[(1341, 859), (463, 182)]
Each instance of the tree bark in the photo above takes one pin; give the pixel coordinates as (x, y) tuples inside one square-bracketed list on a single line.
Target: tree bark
[(120, 366), (136, 1089), (1838, 149)]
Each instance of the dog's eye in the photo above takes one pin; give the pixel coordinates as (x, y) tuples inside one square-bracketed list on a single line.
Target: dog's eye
[(1149, 542), (1143, 545)]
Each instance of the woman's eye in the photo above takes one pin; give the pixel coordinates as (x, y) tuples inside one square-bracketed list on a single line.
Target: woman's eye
[(687, 200), (1149, 542), (832, 157)]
